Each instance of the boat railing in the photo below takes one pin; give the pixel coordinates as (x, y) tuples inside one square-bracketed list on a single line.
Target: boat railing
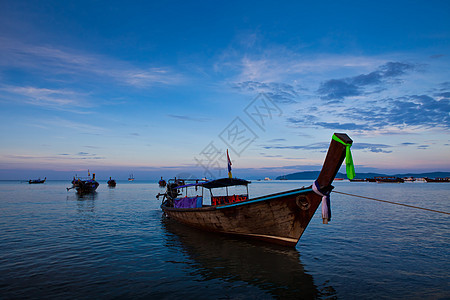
[(217, 200)]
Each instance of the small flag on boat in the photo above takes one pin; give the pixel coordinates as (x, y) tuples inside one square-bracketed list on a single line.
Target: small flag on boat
[(229, 166)]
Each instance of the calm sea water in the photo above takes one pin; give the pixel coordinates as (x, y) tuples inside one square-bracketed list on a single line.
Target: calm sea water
[(117, 244)]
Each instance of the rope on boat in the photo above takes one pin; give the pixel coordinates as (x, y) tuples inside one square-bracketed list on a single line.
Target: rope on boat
[(396, 203)]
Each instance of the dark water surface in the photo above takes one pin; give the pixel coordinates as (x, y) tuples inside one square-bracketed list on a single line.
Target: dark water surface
[(117, 244)]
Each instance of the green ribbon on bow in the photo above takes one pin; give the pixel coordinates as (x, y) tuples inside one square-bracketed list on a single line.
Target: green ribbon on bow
[(350, 168)]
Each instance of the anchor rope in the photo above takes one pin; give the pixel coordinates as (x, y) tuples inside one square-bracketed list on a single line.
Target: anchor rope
[(396, 203)]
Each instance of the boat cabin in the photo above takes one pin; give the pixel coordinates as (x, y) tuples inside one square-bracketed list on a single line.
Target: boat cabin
[(195, 193)]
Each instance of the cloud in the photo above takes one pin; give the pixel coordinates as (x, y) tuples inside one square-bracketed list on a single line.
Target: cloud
[(414, 110), (338, 89), (71, 125), (188, 118), (61, 156), (277, 91), (272, 156), (423, 147), (85, 155), (313, 121), (409, 113), (57, 62), (322, 147), (376, 148), (54, 99), (444, 86), (315, 146), (443, 95), (394, 69)]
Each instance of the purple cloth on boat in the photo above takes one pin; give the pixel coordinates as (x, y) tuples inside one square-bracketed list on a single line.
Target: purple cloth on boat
[(188, 202)]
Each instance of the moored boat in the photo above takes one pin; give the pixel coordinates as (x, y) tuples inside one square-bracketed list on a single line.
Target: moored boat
[(389, 179), (111, 182), (84, 185), (409, 179), (279, 218), (35, 181), (437, 179), (131, 178)]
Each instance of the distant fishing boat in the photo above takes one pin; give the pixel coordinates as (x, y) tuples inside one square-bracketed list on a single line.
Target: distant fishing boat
[(437, 179), (410, 179), (357, 180), (84, 185), (279, 218), (162, 182), (131, 178), (390, 179), (35, 181), (111, 182)]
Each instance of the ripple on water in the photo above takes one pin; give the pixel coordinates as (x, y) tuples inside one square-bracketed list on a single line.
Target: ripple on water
[(116, 243)]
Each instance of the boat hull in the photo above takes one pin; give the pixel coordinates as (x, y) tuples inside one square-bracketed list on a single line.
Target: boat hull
[(278, 218), (36, 181), (85, 187)]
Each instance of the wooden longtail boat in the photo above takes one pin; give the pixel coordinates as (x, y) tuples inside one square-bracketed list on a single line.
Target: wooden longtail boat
[(279, 218), (162, 182), (111, 182), (35, 181), (84, 185)]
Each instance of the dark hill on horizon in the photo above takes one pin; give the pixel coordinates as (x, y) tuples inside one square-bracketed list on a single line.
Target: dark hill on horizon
[(314, 174)]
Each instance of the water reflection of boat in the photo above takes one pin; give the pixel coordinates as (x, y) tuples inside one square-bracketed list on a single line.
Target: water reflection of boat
[(274, 270)]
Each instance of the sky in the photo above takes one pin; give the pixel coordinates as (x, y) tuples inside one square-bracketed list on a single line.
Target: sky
[(164, 88)]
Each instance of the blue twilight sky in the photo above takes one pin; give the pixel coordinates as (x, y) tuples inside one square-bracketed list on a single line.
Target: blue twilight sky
[(165, 87)]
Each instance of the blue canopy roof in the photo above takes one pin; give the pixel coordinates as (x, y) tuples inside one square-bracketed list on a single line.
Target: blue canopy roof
[(218, 183)]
